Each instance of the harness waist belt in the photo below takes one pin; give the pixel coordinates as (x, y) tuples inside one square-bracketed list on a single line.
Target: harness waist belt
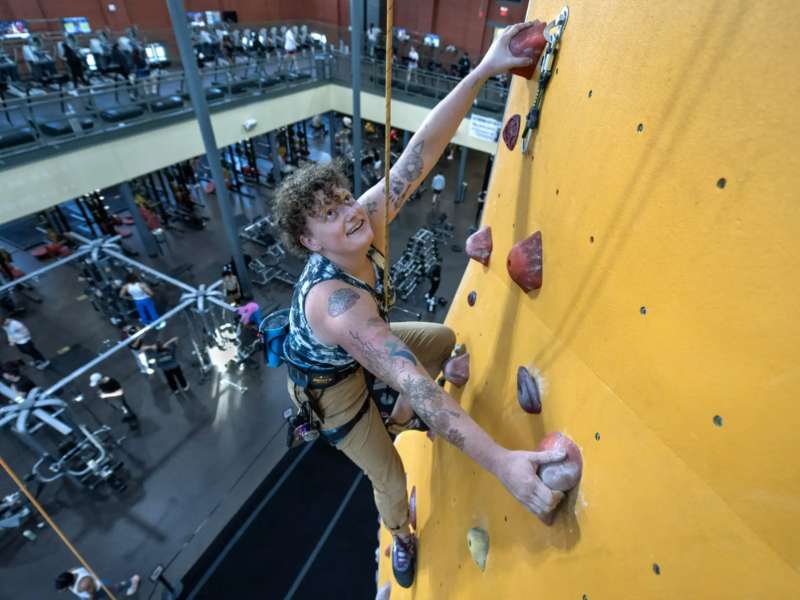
[(319, 379)]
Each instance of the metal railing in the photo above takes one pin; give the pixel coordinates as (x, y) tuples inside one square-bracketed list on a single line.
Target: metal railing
[(34, 124), (417, 85)]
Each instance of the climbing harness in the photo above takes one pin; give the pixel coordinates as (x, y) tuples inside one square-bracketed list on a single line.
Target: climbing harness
[(552, 33), (305, 424)]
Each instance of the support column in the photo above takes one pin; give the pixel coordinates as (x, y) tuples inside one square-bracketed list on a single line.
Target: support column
[(332, 134), (273, 148), (197, 94), (148, 241), (168, 195), (356, 33), (462, 168)]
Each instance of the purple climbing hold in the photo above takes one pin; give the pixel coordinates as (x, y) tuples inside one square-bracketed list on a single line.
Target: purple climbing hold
[(528, 392)]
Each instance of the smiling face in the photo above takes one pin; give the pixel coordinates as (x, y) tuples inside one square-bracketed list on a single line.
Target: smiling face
[(338, 226)]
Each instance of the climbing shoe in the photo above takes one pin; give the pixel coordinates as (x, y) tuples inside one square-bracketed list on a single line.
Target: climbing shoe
[(404, 560)]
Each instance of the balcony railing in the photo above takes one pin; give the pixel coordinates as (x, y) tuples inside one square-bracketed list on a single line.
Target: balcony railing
[(33, 126)]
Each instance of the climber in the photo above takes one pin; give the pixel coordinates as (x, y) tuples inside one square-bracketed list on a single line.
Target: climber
[(338, 330)]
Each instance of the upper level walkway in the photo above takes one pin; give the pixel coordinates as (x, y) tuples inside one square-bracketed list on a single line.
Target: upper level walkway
[(60, 145)]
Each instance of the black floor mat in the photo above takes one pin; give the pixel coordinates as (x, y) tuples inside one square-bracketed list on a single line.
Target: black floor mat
[(269, 554), (350, 549), (22, 233)]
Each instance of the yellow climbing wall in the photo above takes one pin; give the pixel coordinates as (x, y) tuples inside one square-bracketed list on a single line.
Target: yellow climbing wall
[(670, 297)]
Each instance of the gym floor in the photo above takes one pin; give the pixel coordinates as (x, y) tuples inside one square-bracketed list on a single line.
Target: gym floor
[(197, 458)]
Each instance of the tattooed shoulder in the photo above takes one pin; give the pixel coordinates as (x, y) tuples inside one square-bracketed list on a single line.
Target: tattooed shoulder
[(342, 300)]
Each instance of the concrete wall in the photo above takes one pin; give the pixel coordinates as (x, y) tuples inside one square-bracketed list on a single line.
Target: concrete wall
[(637, 217), (41, 184)]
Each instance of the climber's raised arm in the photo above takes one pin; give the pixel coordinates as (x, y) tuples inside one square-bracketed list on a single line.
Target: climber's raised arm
[(428, 143)]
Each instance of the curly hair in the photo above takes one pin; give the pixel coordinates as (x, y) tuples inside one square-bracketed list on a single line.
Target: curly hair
[(297, 199)]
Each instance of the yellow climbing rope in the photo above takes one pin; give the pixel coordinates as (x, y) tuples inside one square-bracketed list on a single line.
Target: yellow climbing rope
[(387, 147), (52, 524)]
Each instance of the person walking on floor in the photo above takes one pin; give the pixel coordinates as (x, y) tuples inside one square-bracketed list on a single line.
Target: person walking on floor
[(142, 297), (20, 383), (137, 349), (110, 389), (290, 48), (20, 336), (83, 585), (412, 65), (167, 361), (230, 285)]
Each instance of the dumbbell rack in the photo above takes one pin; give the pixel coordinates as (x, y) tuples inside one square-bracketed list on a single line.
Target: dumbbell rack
[(420, 255)]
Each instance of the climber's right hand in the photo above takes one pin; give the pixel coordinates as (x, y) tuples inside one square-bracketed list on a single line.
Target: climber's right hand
[(517, 472)]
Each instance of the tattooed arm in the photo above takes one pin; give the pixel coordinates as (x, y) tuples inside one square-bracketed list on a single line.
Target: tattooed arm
[(342, 315), (428, 143)]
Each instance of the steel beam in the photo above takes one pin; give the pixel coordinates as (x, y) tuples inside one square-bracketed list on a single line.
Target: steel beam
[(197, 94), (119, 346), (154, 272), (148, 241), (356, 34), (45, 269)]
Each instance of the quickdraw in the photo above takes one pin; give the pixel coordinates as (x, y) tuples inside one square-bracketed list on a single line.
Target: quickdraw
[(552, 33)]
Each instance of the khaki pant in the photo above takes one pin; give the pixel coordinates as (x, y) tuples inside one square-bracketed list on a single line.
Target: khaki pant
[(368, 444)]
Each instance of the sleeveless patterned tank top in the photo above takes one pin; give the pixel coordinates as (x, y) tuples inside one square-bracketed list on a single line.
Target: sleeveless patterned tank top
[(302, 347)]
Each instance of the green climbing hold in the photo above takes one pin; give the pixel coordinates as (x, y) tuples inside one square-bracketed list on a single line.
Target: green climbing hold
[(478, 542)]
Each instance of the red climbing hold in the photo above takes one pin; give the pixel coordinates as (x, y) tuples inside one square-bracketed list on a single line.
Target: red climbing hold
[(456, 370), (525, 262), (528, 392), (511, 132), (564, 475), (479, 245), (529, 42)]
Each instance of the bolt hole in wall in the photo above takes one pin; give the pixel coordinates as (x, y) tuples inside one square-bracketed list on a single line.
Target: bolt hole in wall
[(721, 182), (717, 420), (640, 127), (556, 191), (597, 435), (643, 310), (591, 239), (590, 93), (656, 569)]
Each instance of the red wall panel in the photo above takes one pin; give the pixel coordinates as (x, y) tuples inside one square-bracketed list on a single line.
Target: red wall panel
[(466, 23), (149, 15)]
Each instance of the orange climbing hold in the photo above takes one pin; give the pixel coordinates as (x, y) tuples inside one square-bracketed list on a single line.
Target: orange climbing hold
[(564, 475), (479, 245), (525, 262)]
